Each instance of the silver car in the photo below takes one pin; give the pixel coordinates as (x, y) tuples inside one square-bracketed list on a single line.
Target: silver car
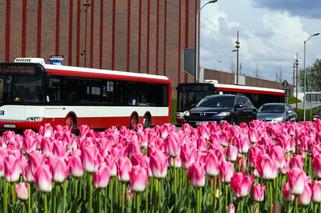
[(276, 112)]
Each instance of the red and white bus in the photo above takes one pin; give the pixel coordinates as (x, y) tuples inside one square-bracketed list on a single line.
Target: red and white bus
[(33, 93), (191, 93)]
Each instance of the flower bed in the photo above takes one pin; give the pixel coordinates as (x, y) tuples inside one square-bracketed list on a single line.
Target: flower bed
[(211, 168)]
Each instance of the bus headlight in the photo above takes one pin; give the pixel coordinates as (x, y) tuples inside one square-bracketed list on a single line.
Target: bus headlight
[(35, 119), (224, 114)]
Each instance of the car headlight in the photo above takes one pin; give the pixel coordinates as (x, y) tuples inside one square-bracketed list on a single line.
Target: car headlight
[(278, 119), (34, 119), (187, 113), (224, 114)]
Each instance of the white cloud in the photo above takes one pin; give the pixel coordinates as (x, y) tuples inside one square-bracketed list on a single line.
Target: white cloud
[(268, 39)]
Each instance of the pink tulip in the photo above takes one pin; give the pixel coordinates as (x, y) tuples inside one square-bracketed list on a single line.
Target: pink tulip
[(306, 195), (267, 167), (243, 143), (59, 168), (277, 154), (75, 164), (158, 164), (212, 164), (3, 154), (187, 155), (241, 184), (46, 146), (224, 138), (196, 174), (29, 143), (175, 162), (254, 152), (288, 196), (43, 178), (232, 153), (231, 208), (316, 165), (296, 178), (123, 168), (21, 191), (316, 191), (296, 162), (253, 135), (226, 171), (12, 167), (258, 192), (173, 145), (138, 177), (102, 176), (89, 158), (36, 158), (46, 130)]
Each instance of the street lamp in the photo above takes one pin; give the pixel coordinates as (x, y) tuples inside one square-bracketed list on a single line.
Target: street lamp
[(305, 73), (197, 58)]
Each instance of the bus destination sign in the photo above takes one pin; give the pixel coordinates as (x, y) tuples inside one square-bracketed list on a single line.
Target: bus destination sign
[(17, 69)]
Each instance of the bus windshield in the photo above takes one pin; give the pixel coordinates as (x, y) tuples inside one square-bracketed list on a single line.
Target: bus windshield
[(26, 89), (20, 84)]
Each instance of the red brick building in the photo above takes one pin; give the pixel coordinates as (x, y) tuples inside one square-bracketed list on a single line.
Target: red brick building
[(131, 35)]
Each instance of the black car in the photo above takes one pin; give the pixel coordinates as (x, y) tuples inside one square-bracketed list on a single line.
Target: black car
[(276, 112), (232, 108)]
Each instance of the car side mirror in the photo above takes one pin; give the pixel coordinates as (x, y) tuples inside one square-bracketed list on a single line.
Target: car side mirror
[(193, 105), (290, 111)]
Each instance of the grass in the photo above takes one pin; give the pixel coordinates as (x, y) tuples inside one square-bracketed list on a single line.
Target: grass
[(308, 116), (293, 100)]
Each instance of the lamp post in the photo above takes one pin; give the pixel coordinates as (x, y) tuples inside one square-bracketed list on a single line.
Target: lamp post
[(86, 4), (198, 24), (305, 73)]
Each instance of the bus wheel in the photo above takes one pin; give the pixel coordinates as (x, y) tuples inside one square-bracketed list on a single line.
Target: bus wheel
[(133, 121), (147, 122), (71, 122)]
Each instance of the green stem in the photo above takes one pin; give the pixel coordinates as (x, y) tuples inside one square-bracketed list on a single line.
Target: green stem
[(226, 194), (5, 197), (271, 197), (199, 200), (99, 200), (242, 205), (13, 194), (29, 199), (146, 199), (296, 209), (111, 195), (90, 202), (65, 195), (123, 197), (45, 202), (138, 202)]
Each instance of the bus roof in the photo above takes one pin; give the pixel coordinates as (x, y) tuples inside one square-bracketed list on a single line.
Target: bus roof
[(248, 89), (105, 74)]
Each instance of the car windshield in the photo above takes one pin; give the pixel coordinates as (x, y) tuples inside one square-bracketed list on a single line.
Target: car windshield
[(272, 109), (217, 102)]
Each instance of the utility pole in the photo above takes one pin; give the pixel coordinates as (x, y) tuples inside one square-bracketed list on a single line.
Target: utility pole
[(296, 79), (237, 47)]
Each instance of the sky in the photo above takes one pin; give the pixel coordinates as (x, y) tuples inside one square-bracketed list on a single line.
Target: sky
[(271, 33)]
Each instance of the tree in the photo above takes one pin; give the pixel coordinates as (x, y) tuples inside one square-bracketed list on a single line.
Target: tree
[(313, 77)]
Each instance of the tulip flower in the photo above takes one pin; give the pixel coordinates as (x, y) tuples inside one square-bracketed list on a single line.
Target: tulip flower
[(258, 192), (306, 195), (231, 208), (226, 171), (59, 168), (21, 191), (296, 178), (158, 164), (173, 145), (316, 165), (196, 174), (266, 167), (138, 178), (316, 191), (43, 178), (36, 158), (89, 158), (123, 168), (75, 164), (287, 192), (232, 153), (12, 167), (102, 176), (296, 162), (241, 184), (212, 164)]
